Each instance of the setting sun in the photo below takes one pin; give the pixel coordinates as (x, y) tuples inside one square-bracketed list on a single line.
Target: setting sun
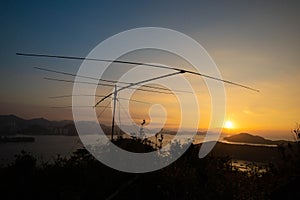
[(228, 125)]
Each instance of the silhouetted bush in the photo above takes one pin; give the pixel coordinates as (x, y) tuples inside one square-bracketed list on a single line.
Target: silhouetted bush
[(83, 177)]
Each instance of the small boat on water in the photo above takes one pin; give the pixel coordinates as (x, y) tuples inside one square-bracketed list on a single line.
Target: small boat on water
[(6, 139)]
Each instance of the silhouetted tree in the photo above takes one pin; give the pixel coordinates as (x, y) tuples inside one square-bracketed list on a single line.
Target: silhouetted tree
[(296, 132)]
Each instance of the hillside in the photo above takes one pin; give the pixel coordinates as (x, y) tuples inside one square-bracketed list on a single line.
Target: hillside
[(251, 139), (12, 125), (251, 153)]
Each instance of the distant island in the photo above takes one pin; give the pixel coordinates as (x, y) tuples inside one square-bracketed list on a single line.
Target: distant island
[(251, 139)]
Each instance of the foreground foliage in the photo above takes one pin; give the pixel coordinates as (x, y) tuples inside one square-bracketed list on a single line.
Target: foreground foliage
[(83, 177)]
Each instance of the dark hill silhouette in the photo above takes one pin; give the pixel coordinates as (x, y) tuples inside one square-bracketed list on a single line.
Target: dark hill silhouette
[(262, 154), (12, 125), (251, 139)]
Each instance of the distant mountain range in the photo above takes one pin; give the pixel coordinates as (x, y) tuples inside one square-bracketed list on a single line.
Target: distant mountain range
[(252, 139), (12, 125)]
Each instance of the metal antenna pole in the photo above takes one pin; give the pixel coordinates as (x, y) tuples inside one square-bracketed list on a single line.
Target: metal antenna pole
[(137, 63), (114, 112)]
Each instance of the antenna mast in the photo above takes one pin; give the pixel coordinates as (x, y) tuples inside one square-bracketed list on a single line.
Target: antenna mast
[(114, 112)]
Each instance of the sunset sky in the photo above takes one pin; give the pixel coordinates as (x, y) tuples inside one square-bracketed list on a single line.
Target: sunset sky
[(253, 43)]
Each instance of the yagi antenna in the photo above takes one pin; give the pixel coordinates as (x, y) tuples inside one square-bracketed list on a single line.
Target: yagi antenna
[(90, 95), (136, 63), (106, 80), (130, 85), (105, 85)]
